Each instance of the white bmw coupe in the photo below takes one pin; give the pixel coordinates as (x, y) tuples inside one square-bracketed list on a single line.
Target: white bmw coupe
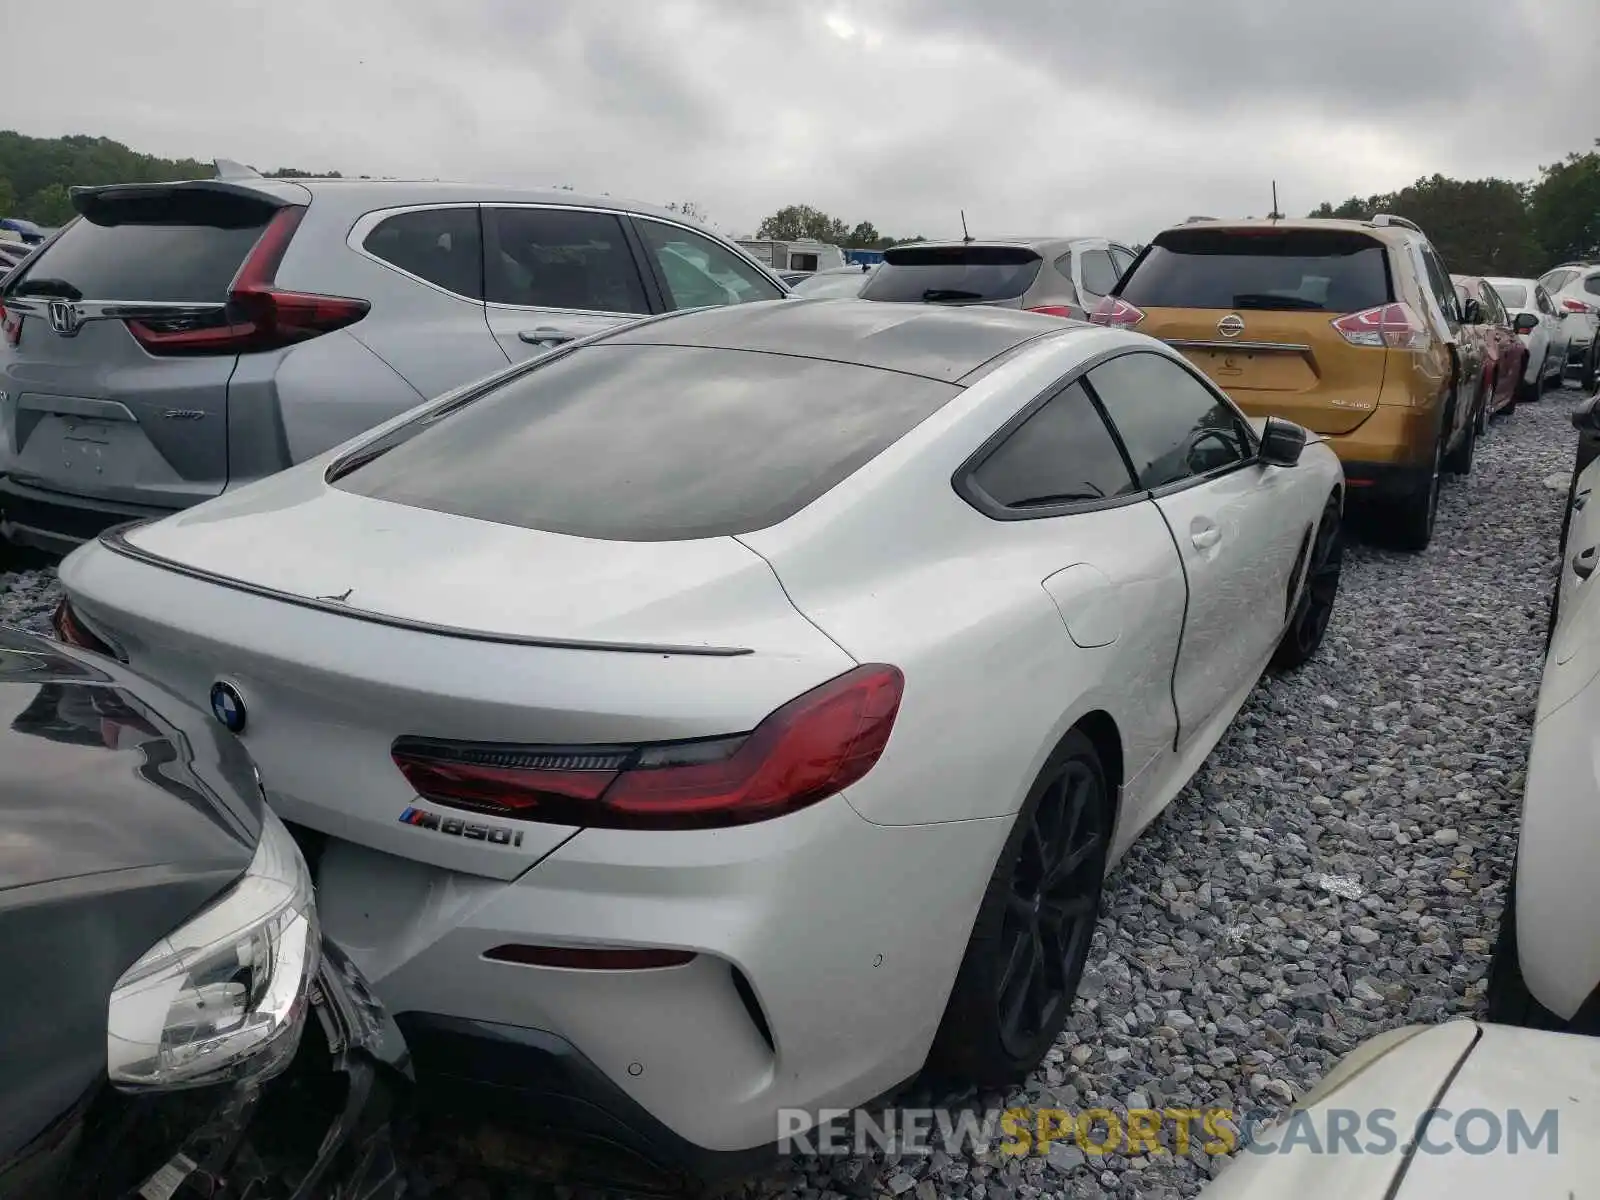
[(740, 710)]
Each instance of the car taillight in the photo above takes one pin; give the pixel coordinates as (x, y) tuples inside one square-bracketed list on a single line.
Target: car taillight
[(1054, 310), (259, 316), (11, 324), (1116, 312), (1392, 326), (73, 632), (813, 747), (1577, 306)]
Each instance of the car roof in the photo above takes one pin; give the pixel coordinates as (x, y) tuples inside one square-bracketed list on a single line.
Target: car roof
[(931, 341), (1517, 279), (1041, 243)]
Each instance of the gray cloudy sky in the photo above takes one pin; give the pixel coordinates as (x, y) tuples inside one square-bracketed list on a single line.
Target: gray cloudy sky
[(1036, 116)]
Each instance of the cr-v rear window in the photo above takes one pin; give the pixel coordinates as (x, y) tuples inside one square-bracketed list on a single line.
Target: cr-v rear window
[(1285, 269), (649, 443), (152, 244), (953, 274)]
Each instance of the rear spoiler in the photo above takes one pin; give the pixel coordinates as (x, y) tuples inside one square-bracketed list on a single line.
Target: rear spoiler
[(99, 204)]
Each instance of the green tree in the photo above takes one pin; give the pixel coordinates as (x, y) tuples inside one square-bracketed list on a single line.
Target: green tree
[(49, 206), (1565, 204), (8, 198), (863, 237), (797, 221)]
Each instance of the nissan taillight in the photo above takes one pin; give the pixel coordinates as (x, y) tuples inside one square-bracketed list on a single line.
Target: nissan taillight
[(259, 315), (1577, 306), (1386, 326), (1116, 313), (813, 747), (1055, 310)]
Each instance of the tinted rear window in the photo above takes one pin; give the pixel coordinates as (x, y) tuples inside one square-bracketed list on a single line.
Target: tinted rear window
[(177, 246), (1514, 294), (653, 443), (1288, 270), (954, 274)]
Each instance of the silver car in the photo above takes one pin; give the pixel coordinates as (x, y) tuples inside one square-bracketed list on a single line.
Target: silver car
[(1064, 277), (1575, 289), (180, 339)]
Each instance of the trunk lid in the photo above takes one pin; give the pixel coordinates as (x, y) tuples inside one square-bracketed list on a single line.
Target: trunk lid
[(93, 413), (1253, 307), (353, 622), (996, 274)]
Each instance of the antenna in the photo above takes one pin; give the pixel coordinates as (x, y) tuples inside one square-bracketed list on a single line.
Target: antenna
[(1276, 215), (228, 169), (966, 237)]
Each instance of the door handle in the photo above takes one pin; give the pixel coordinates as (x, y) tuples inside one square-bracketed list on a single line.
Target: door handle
[(1580, 500), (1583, 562), (544, 336), (1204, 539)]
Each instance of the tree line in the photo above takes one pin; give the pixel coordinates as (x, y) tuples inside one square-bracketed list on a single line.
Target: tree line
[(1480, 226), (1498, 226)]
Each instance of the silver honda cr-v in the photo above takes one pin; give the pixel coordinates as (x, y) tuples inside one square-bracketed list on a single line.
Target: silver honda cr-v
[(179, 339)]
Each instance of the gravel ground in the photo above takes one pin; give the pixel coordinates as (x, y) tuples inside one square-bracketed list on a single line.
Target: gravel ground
[(1337, 867)]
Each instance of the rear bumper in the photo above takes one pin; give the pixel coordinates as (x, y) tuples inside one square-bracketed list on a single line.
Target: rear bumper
[(528, 1080), (1394, 439), (57, 523)]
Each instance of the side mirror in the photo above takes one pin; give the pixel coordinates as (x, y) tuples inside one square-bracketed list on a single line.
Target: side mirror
[(1526, 323), (1281, 443), (1472, 312)]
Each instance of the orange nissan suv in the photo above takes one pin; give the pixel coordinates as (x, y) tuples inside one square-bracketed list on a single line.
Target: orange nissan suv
[(1349, 328)]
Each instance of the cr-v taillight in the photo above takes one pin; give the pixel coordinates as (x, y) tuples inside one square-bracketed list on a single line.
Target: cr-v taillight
[(813, 747), (259, 315), (1115, 312), (1392, 326), (1577, 306)]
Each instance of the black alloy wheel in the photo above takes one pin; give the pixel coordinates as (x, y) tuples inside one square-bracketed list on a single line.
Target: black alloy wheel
[(1314, 610), (1051, 909)]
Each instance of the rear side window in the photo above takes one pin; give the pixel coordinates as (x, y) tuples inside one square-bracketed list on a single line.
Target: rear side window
[(1514, 294), (1099, 276), (561, 258), (954, 274), (1289, 270), (1542, 298), (1592, 285), (1062, 454), (1556, 280), (652, 443), (1121, 260), (441, 245), (698, 273), (176, 245)]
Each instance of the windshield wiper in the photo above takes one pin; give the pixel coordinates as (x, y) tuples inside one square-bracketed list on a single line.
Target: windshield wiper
[(935, 295), (32, 286), (1268, 300)]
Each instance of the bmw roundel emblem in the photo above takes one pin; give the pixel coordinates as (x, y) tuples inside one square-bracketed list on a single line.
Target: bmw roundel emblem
[(228, 706)]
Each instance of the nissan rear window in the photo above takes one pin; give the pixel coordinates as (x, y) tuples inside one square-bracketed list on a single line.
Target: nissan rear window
[(953, 274), (1285, 270), (1515, 295), (150, 245), (650, 443)]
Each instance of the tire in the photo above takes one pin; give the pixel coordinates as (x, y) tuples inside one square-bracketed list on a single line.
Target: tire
[(1314, 608), (1483, 408), (1509, 1000), (1590, 379), (1416, 513), (1459, 460), (1007, 951)]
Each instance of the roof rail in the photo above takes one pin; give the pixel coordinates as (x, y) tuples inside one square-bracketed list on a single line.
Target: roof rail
[(1385, 219), (1194, 220), (228, 169)]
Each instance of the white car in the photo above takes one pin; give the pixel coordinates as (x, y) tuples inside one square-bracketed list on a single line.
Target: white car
[(1546, 968), (1542, 328), (1575, 289), (1462, 1110), (740, 711), (836, 283)]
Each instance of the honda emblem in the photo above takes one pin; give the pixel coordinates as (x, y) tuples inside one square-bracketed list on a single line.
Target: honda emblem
[(65, 318)]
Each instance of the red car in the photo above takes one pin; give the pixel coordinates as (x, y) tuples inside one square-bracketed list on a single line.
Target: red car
[(1484, 319)]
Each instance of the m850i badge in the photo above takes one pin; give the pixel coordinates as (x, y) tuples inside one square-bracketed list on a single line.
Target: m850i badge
[(495, 835)]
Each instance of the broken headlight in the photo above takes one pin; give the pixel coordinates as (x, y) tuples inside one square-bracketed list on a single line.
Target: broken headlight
[(223, 997)]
